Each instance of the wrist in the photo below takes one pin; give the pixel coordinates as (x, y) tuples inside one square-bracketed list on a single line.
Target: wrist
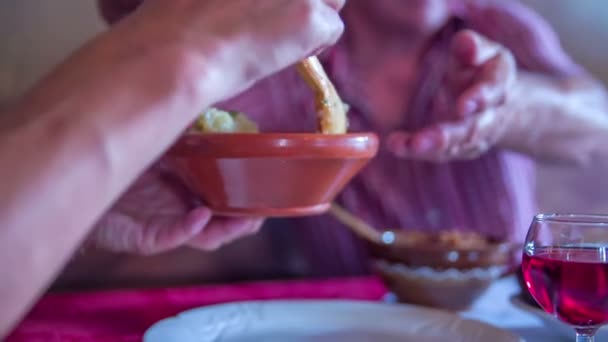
[(553, 124)]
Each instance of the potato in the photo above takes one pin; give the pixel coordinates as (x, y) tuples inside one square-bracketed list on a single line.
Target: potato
[(215, 120)]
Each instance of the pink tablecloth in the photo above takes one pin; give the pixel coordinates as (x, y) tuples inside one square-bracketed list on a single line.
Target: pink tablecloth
[(121, 316)]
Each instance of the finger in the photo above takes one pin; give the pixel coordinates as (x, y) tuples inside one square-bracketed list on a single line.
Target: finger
[(470, 53), (221, 231), (165, 171), (447, 139), (490, 86), (329, 20), (485, 130), (224, 230), (328, 24), (118, 232), (428, 144), (469, 152), (438, 143), (337, 5), (161, 237), (472, 49)]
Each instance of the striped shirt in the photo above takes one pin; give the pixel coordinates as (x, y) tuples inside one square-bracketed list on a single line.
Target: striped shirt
[(492, 195)]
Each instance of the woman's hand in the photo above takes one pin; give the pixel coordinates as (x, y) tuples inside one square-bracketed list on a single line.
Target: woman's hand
[(477, 85), (157, 214)]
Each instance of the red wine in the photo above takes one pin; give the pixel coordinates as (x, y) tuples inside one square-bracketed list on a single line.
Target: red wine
[(571, 283)]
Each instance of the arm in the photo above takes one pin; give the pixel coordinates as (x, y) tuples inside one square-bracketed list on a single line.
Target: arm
[(558, 120), (94, 124)]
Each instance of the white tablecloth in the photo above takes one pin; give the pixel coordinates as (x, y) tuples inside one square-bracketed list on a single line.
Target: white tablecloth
[(495, 308)]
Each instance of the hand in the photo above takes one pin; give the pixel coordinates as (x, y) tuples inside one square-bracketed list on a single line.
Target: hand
[(252, 39), (157, 214), (238, 42), (481, 75)]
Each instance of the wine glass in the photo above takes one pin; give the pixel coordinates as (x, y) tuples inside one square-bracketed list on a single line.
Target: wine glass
[(565, 268)]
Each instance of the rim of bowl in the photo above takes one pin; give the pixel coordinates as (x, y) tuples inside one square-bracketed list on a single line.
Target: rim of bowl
[(290, 145), (573, 218), (504, 247)]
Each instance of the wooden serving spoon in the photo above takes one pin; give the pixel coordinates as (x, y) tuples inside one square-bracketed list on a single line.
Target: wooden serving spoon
[(363, 229)]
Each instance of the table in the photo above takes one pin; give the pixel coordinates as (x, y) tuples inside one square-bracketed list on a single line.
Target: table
[(123, 316), (495, 308)]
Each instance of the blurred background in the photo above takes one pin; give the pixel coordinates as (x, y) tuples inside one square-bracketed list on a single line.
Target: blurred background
[(582, 27), (37, 34)]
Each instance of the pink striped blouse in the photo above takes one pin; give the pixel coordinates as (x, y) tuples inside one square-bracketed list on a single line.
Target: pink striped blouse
[(493, 195)]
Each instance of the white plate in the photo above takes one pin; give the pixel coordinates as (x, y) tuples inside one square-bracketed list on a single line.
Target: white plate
[(321, 321), (551, 322)]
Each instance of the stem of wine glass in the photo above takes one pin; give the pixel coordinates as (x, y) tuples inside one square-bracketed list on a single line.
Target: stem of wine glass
[(585, 337)]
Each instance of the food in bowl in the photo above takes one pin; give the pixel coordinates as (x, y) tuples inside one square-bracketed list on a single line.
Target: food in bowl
[(214, 120), (331, 110), (251, 173), (445, 250), (447, 270)]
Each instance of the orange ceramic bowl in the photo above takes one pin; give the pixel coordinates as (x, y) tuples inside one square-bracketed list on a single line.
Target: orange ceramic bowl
[(271, 175)]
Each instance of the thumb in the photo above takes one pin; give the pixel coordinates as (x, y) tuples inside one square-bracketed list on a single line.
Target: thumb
[(163, 236), (118, 232)]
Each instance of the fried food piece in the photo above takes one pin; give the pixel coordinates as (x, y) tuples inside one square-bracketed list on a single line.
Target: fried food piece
[(331, 111), (215, 120), (449, 239)]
